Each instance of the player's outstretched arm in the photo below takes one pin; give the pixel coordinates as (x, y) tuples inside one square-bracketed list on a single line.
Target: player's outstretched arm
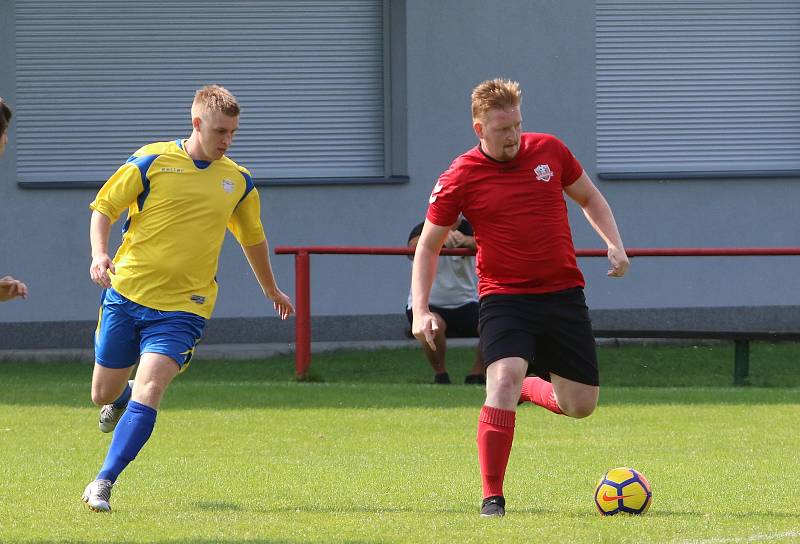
[(258, 257), (598, 213), (426, 254), (12, 288), (99, 229)]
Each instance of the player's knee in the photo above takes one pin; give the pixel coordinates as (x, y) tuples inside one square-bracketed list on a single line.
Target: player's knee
[(101, 396), (505, 387), (149, 393), (577, 408)]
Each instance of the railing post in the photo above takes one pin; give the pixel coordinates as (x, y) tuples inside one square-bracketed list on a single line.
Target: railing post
[(302, 325), (741, 362)]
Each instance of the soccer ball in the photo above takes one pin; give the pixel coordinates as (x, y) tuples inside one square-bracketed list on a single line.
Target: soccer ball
[(623, 490)]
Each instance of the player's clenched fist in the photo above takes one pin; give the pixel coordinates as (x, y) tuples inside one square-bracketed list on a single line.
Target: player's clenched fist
[(619, 262), (11, 288)]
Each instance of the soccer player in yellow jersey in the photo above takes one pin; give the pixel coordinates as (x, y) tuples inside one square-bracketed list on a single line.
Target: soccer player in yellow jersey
[(160, 288), (9, 287)]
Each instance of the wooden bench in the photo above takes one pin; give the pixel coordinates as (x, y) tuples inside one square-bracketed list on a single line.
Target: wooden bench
[(741, 339)]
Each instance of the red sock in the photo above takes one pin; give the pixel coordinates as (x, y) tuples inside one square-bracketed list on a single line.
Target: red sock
[(495, 435), (539, 391)]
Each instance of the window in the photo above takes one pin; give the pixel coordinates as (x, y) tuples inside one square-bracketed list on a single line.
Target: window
[(96, 80), (697, 89)]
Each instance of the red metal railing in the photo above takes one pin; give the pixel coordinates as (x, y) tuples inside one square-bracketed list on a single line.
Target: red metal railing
[(302, 274)]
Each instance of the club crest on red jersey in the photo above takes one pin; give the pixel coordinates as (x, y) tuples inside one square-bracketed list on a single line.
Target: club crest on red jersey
[(543, 172)]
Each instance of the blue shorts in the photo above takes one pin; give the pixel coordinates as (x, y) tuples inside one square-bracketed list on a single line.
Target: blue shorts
[(125, 330)]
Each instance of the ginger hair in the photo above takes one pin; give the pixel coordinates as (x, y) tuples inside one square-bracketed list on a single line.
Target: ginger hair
[(494, 94)]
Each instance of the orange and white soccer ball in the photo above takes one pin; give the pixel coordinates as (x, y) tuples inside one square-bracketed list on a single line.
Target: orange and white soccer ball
[(624, 490)]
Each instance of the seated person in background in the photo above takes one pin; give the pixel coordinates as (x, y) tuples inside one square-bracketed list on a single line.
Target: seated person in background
[(454, 302)]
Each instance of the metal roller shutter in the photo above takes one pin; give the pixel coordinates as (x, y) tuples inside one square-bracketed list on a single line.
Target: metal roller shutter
[(96, 79), (698, 88)]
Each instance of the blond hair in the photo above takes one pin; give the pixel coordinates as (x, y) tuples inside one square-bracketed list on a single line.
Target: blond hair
[(494, 94), (214, 98)]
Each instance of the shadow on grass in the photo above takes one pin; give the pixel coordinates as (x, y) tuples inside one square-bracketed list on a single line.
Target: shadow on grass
[(399, 378), (221, 540), (219, 506), (301, 397), (472, 509)]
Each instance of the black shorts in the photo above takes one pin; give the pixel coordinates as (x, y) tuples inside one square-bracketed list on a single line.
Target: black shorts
[(551, 331), (462, 322)]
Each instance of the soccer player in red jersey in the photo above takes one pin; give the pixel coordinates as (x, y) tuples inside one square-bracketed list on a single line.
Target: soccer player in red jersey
[(533, 311)]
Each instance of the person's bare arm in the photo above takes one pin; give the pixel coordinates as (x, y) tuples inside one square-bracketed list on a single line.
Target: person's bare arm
[(258, 257), (426, 256), (99, 229), (598, 213)]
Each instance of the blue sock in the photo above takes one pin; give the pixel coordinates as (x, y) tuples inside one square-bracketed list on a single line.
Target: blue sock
[(124, 397), (134, 428)]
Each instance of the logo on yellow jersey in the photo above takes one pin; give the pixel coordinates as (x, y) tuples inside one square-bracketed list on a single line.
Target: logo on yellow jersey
[(228, 186), (172, 170)]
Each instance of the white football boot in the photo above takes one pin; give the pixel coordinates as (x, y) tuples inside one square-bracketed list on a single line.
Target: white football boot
[(97, 495), (109, 415)]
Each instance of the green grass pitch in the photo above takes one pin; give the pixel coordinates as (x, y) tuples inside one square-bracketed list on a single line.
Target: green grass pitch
[(369, 452)]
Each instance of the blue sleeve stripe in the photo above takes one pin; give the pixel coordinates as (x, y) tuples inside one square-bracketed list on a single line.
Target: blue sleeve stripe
[(143, 196), (249, 186), (143, 164)]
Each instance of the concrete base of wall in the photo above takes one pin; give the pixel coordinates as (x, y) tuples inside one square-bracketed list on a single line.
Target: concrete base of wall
[(373, 329)]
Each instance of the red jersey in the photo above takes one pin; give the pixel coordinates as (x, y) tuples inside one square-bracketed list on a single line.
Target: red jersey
[(518, 213)]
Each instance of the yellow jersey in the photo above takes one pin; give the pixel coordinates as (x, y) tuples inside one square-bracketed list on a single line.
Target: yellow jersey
[(178, 211)]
